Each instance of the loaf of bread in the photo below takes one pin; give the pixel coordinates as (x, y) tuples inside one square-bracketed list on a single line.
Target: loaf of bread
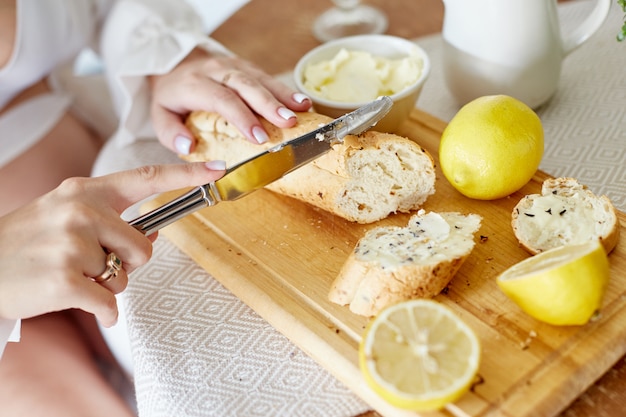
[(363, 180), (391, 264), (565, 213)]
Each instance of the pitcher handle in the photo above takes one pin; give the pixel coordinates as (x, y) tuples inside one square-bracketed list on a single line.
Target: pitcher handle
[(589, 26)]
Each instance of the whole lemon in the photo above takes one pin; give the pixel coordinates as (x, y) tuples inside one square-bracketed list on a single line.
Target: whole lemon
[(492, 147)]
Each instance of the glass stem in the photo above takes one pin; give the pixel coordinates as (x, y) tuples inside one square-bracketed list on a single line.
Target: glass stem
[(346, 5)]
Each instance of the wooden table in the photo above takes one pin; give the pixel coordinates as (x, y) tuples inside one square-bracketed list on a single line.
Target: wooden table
[(276, 33)]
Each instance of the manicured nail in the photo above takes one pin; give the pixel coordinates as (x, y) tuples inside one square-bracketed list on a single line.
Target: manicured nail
[(300, 98), (182, 144), (285, 113), (216, 165), (259, 134)]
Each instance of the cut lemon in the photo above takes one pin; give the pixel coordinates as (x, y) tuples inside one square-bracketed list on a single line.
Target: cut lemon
[(561, 286), (419, 355)]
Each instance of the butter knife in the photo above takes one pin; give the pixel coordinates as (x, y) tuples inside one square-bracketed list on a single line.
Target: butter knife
[(266, 167)]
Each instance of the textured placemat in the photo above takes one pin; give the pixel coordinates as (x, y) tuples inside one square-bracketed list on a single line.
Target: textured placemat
[(199, 351)]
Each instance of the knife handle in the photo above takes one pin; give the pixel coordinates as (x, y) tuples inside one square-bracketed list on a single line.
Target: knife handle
[(194, 200)]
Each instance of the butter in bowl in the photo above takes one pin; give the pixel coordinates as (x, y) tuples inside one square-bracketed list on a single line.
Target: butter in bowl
[(346, 73)]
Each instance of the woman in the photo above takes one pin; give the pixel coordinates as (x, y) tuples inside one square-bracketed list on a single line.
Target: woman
[(158, 65)]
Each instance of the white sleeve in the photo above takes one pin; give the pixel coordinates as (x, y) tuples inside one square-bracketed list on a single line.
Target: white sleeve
[(9, 332), (146, 37)]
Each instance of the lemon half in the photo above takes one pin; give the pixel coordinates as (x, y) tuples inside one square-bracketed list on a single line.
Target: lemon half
[(561, 286), (419, 355), (492, 147)]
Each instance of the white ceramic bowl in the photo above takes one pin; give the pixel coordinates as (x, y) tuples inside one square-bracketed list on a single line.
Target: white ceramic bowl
[(378, 45)]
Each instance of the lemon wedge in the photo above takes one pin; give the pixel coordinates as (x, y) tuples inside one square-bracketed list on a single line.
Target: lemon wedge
[(419, 355), (561, 286), (492, 147)]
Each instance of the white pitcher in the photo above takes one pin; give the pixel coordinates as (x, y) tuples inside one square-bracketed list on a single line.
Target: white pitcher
[(512, 47)]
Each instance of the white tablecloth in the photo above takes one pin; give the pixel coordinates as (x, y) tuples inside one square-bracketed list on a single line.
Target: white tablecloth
[(199, 351)]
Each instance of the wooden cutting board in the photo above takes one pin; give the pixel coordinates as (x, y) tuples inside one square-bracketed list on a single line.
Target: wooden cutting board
[(280, 257)]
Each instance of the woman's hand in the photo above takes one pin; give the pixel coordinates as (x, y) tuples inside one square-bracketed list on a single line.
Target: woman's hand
[(230, 86), (51, 247)]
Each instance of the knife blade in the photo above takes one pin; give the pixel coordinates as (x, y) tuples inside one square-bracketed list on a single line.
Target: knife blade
[(266, 167)]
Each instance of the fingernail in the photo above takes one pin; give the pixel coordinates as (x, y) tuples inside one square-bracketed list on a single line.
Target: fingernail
[(182, 144), (300, 98), (259, 134), (216, 165), (285, 113)]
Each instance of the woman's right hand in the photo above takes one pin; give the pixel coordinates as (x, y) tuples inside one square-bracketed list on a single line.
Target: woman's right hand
[(51, 247)]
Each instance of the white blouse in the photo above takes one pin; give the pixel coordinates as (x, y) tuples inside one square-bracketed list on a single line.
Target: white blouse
[(134, 38)]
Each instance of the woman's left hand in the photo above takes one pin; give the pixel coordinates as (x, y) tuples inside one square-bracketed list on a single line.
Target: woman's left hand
[(230, 86)]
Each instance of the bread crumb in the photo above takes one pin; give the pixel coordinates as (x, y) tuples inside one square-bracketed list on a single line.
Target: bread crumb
[(596, 316), (526, 343), (478, 380)]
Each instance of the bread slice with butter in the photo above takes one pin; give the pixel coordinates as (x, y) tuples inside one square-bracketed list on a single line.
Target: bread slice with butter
[(362, 180), (565, 213), (391, 263)]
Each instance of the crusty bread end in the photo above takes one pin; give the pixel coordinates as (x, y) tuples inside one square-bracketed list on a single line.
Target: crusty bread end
[(565, 213), (363, 180)]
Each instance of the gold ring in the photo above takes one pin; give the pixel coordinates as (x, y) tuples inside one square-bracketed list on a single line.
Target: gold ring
[(112, 267)]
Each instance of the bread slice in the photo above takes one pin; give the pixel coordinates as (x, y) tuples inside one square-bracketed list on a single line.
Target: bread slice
[(391, 264), (362, 180), (565, 213)]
